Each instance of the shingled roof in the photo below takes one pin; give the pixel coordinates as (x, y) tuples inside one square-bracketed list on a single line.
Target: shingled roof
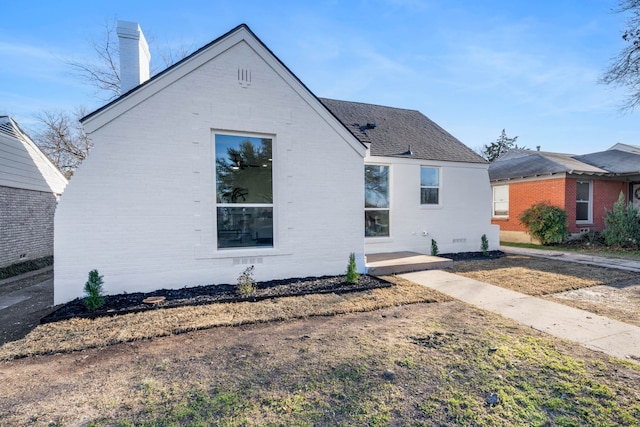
[(397, 132), (521, 163)]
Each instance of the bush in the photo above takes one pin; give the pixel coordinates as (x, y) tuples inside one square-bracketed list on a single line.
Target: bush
[(546, 223), (352, 274), (246, 283), (484, 244), (434, 248), (93, 288), (622, 228)]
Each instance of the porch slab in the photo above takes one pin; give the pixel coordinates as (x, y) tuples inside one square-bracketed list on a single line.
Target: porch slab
[(403, 262)]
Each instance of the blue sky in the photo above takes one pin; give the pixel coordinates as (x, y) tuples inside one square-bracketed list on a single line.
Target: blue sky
[(473, 66)]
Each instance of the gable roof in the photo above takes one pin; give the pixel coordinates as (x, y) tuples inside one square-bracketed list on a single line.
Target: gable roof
[(240, 33), (23, 165), (522, 163), (397, 132)]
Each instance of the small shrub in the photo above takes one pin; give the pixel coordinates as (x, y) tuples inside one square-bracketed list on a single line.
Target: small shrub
[(434, 248), (546, 223), (484, 245), (622, 228), (352, 274), (93, 289), (246, 282)]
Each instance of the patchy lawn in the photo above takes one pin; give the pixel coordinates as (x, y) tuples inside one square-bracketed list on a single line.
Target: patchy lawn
[(420, 364), (379, 358)]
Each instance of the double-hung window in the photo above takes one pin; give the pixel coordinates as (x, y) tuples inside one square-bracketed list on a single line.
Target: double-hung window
[(583, 202), (501, 201), (244, 191), (376, 201), (429, 185)]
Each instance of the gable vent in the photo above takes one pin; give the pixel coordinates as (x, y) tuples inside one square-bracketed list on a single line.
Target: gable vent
[(244, 77)]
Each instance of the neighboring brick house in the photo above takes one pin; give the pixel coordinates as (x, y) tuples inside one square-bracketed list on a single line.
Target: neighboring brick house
[(583, 185), (29, 189), (226, 159)]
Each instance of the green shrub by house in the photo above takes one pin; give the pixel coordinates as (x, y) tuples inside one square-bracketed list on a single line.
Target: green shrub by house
[(622, 228), (93, 289), (434, 248), (546, 223), (352, 275), (484, 245)]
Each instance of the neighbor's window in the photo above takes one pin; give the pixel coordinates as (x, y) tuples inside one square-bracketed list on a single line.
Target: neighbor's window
[(501, 201), (583, 201), (376, 201), (244, 191), (429, 185)]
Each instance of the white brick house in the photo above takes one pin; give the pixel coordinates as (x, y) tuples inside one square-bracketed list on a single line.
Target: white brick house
[(29, 189), (142, 208), (226, 160)]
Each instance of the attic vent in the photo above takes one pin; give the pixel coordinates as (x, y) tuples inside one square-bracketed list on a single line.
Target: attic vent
[(244, 77), (371, 125), (460, 240)]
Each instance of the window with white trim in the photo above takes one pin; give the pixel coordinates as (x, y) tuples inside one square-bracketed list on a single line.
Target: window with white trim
[(584, 196), (244, 191), (501, 201), (429, 185), (376, 201)]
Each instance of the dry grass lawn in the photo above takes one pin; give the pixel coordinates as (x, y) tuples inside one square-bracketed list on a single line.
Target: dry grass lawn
[(379, 358), (80, 334)]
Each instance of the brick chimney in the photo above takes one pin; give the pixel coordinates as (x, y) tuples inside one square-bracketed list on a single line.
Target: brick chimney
[(134, 56)]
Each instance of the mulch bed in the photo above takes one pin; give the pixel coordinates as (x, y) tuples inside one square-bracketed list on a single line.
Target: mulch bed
[(209, 294), (471, 256)]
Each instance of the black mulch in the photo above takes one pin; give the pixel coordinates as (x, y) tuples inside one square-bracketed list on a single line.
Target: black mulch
[(209, 294), (472, 256)]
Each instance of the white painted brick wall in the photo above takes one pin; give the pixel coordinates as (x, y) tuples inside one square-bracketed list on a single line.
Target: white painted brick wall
[(457, 225), (141, 208)]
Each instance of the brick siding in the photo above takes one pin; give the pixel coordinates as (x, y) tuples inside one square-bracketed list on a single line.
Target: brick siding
[(559, 192), (26, 225)]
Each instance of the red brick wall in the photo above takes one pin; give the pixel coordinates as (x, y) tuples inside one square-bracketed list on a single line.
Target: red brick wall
[(559, 192), (524, 194), (605, 194)]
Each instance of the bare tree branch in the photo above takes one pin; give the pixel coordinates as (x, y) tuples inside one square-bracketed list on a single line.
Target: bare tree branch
[(62, 139), (624, 70)]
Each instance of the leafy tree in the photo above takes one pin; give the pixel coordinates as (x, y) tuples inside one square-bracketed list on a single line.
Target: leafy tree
[(624, 70), (499, 146), (545, 222)]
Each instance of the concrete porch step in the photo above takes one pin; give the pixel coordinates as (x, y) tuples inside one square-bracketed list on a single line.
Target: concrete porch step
[(403, 262)]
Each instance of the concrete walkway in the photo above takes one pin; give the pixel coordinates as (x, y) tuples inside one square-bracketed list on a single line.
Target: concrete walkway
[(619, 263), (599, 333)]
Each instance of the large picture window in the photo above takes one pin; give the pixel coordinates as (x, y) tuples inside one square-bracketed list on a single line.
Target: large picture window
[(583, 202), (501, 201), (429, 185), (244, 191), (376, 201)]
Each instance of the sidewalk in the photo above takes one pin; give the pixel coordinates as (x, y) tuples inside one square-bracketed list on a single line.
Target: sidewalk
[(599, 333), (619, 263)]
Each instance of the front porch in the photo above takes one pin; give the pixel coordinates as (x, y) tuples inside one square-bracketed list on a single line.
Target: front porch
[(403, 262)]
